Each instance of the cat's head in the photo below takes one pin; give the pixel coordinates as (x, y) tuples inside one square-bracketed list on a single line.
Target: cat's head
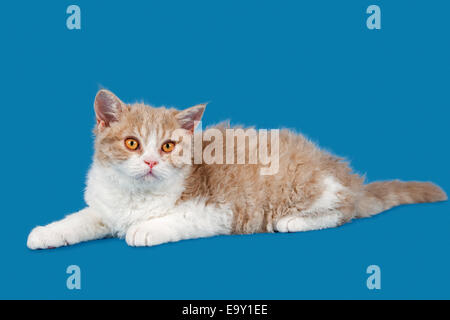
[(145, 144)]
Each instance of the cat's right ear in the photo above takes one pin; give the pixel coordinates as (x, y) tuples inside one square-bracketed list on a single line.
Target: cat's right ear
[(107, 108)]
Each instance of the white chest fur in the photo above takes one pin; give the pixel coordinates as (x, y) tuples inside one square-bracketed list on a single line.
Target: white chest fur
[(120, 203)]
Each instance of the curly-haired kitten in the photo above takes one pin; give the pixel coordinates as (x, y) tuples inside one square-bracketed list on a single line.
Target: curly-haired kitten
[(139, 190)]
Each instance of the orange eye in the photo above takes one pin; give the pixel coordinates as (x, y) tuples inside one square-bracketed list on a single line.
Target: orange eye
[(131, 143), (168, 146)]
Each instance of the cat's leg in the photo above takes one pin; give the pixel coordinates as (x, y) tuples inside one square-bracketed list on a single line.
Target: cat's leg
[(77, 227), (319, 219), (185, 222), (296, 223), (334, 207)]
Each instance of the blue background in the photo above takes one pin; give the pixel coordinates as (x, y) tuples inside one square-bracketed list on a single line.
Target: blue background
[(378, 97)]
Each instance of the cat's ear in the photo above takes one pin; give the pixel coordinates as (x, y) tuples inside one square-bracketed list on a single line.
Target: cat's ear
[(189, 118), (107, 108)]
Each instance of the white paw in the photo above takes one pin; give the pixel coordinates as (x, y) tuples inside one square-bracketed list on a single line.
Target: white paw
[(291, 224), (146, 235), (45, 238)]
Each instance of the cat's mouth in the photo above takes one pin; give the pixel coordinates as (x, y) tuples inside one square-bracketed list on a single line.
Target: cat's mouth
[(149, 175)]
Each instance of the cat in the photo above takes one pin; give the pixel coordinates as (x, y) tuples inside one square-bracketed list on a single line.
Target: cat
[(139, 190)]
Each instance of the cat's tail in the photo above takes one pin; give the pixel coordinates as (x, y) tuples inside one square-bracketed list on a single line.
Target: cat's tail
[(381, 196)]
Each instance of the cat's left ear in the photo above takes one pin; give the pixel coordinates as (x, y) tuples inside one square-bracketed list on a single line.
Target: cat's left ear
[(189, 118)]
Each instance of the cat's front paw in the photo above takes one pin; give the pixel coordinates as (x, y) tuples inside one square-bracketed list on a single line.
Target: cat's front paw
[(146, 235), (45, 238)]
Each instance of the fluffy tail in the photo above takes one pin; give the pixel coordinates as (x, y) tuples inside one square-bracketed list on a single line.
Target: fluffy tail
[(381, 196)]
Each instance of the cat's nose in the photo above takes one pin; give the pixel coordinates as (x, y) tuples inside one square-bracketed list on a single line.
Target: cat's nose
[(151, 164)]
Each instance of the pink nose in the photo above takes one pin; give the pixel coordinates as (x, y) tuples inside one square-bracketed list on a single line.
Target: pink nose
[(151, 164)]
